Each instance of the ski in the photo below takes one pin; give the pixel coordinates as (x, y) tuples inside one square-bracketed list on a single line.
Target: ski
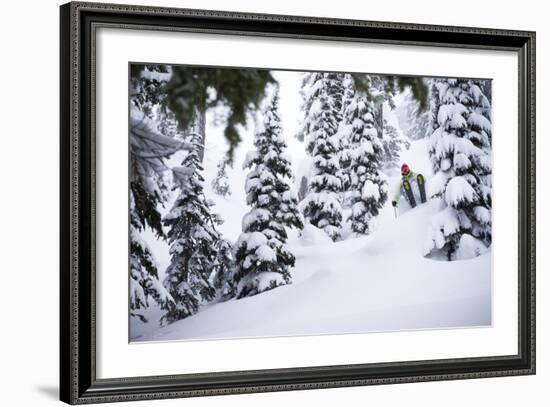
[(409, 193), (421, 187)]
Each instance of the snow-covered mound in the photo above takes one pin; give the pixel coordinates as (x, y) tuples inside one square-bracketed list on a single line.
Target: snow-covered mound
[(380, 282), (312, 236)]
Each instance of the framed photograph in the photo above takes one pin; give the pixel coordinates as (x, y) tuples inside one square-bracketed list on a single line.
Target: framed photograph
[(255, 203)]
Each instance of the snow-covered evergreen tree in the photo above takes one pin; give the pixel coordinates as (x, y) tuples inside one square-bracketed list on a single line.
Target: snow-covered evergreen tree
[(261, 255), (148, 87), (148, 151), (222, 277), (278, 162), (323, 95), (368, 189), (345, 146), (220, 184), (435, 102), (193, 239), (460, 152), (288, 213), (144, 279), (393, 144)]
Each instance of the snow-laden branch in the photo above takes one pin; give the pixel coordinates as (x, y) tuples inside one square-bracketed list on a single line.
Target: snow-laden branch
[(143, 128)]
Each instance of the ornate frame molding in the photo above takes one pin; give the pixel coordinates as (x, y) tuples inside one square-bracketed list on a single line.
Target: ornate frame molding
[(78, 382)]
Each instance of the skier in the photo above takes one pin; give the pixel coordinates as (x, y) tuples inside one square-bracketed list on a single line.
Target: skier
[(407, 176)]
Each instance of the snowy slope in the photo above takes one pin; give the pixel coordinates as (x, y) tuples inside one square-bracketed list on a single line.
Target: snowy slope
[(380, 282), (375, 283)]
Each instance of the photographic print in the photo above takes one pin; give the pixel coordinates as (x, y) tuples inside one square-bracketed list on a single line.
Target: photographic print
[(281, 203)]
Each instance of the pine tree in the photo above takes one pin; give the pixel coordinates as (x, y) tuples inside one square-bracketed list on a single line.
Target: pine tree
[(262, 258), (220, 184), (435, 102), (345, 146), (323, 95), (193, 239), (460, 151), (148, 87), (288, 213), (144, 282), (368, 190), (148, 151), (393, 144), (222, 278)]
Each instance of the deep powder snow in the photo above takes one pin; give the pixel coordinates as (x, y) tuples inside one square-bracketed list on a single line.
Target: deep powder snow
[(380, 282)]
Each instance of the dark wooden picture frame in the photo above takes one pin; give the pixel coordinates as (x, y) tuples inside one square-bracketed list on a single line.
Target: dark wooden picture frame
[(78, 381)]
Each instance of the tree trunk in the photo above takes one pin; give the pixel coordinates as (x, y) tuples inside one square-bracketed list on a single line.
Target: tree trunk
[(199, 124), (379, 118), (303, 189)]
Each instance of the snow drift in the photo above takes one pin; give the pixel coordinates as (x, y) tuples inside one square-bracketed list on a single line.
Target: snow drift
[(379, 282)]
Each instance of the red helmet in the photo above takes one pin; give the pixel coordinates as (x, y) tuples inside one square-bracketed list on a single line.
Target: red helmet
[(404, 168)]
